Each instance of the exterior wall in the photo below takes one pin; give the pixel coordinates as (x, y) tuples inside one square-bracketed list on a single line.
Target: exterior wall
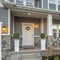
[(18, 28), (4, 16), (18, 25), (6, 45), (11, 25)]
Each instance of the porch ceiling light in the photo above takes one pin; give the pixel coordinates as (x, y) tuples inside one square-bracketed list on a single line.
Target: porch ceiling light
[(4, 29), (29, 13)]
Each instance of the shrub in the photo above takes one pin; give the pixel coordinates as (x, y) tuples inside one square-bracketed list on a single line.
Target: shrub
[(16, 35), (42, 35)]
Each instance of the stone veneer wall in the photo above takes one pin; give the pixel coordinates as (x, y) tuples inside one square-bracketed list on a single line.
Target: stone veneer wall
[(6, 45)]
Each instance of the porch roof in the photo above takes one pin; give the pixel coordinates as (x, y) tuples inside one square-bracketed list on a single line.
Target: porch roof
[(13, 6)]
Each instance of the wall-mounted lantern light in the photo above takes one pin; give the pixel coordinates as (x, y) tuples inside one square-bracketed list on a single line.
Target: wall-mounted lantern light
[(36, 26), (4, 29)]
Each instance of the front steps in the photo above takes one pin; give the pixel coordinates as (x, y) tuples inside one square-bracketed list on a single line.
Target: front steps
[(25, 55)]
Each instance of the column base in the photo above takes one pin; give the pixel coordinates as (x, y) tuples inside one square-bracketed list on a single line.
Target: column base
[(49, 41)]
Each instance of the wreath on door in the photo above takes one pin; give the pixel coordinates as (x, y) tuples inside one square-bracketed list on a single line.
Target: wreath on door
[(27, 28)]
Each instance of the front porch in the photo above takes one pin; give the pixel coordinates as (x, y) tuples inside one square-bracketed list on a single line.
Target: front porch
[(39, 23)]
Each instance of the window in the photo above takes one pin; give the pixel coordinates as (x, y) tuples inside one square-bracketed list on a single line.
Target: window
[(52, 1), (30, 3), (59, 2), (56, 31), (20, 2)]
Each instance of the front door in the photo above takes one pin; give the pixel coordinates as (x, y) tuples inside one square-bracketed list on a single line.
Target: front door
[(27, 34)]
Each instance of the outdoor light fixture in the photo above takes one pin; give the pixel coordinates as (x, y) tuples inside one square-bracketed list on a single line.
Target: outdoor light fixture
[(36, 26), (29, 13), (4, 29)]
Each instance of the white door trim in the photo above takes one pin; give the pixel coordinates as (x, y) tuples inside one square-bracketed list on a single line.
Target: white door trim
[(29, 24)]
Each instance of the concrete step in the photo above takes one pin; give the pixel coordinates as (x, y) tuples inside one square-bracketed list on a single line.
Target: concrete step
[(25, 55)]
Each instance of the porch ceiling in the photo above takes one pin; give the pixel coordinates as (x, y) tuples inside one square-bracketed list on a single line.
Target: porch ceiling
[(23, 13), (32, 14)]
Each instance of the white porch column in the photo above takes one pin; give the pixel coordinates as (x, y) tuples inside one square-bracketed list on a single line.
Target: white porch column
[(42, 26), (49, 25), (0, 43)]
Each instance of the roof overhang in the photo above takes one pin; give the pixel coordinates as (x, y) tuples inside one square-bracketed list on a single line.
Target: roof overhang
[(13, 6)]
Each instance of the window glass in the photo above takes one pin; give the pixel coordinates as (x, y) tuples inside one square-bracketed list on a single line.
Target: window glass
[(52, 1), (59, 2), (20, 2), (29, 3)]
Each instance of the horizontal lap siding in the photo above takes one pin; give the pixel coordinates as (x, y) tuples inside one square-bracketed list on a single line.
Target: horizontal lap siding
[(4, 16)]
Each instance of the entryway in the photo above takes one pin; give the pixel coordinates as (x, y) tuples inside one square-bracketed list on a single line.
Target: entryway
[(27, 34)]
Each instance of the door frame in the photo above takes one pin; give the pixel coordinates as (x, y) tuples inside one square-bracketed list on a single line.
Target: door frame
[(29, 24)]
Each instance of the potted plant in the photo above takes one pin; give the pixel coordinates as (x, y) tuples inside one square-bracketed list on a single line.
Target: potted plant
[(43, 41), (16, 41)]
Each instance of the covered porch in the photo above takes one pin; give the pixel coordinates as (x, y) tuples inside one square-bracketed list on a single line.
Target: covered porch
[(37, 22)]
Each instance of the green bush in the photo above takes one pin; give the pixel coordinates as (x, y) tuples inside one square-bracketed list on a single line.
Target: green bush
[(16, 35), (42, 35)]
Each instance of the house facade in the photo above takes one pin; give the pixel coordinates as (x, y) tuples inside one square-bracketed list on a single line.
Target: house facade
[(29, 18)]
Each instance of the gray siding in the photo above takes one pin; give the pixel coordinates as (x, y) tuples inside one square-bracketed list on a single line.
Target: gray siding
[(11, 25), (52, 6), (45, 4), (4, 16), (18, 25)]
